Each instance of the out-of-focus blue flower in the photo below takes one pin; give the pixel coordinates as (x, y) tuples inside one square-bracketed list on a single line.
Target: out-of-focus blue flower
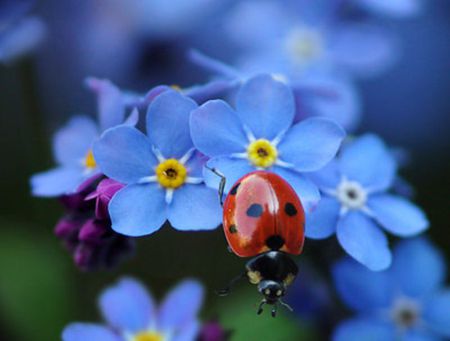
[(131, 315), (316, 93), (18, 34), (259, 134), (162, 171), (295, 37), (355, 202), (394, 8), (406, 302), (72, 144)]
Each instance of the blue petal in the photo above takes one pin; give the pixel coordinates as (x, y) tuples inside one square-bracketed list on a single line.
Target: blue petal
[(437, 313), (110, 102), (181, 306), (188, 332), (418, 253), (311, 144), (233, 169), (168, 123), (364, 241), (368, 161), (57, 181), (306, 190), (88, 332), (216, 130), (398, 8), (137, 210), (420, 333), (361, 289), (365, 49), (321, 222), (195, 207), (358, 329), (328, 96), (127, 306), (328, 178), (72, 142), (125, 154), (398, 215), (265, 106)]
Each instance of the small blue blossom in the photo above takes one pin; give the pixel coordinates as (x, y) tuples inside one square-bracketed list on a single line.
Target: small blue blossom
[(355, 203), (406, 302), (295, 37), (162, 171), (259, 134), (317, 94), (131, 315), (72, 144)]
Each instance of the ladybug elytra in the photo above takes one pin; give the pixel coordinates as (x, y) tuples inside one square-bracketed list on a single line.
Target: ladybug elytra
[(263, 218)]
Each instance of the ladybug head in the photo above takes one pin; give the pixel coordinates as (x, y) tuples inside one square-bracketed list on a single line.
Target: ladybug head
[(272, 290)]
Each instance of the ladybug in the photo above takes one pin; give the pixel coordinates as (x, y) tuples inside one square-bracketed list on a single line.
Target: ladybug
[(264, 218)]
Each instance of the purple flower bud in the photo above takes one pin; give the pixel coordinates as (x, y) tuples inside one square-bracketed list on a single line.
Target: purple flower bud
[(67, 228), (92, 231), (103, 195), (213, 331)]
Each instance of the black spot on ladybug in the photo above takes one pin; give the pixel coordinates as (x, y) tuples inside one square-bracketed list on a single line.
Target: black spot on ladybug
[(255, 210), (290, 209), (275, 242), (232, 228), (235, 188)]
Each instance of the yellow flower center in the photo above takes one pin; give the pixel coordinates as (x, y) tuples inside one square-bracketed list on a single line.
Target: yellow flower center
[(89, 161), (148, 336), (171, 173), (262, 153)]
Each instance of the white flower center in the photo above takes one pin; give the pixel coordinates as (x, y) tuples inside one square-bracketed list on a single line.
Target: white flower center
[(405, 313), (351, 194)]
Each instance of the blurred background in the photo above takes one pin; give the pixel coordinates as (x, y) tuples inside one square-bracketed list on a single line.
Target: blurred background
[(140, 44)]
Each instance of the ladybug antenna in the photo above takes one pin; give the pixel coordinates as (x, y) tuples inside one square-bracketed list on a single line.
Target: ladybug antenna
[(222, 182), (225, 291), (260, 308), (287, 306)]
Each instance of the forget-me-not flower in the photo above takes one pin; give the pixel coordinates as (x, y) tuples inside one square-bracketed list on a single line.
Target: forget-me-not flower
[(259, 134), (355, 203), (316, 94), (162, 171), (72, 144), (407, 302), (296, 37), (131, 315)]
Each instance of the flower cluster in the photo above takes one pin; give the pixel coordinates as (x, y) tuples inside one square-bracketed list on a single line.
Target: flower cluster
[(284, 102)]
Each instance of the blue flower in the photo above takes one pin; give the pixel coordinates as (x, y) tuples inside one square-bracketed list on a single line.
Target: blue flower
[(355, 203), (162, 171), (321, 94), (259, 135), (19, 34), (295, 37), (405, 302), (131, 315), (72, 144)]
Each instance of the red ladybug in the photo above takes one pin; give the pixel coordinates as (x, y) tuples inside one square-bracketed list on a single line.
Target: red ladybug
[(264, 218)]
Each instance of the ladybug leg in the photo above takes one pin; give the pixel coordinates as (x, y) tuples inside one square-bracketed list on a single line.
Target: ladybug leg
[(260, 308), (225, 291), (274, 310), (223, 180)]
